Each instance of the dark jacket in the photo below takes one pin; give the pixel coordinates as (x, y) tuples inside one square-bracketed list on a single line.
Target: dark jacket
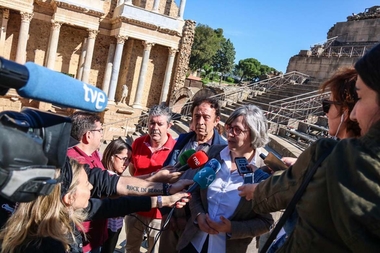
[(172, 158), (97, 209), (103, 183), (183, 139), (340, 209), (245, 224)]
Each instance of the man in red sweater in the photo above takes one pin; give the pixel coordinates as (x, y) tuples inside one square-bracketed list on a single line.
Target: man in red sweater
[(149, 152)]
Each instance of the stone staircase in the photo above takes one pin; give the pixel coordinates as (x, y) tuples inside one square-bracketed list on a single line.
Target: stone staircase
[(290, 134)]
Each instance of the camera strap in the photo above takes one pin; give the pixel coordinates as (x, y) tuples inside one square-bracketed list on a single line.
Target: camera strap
[(292, 204)]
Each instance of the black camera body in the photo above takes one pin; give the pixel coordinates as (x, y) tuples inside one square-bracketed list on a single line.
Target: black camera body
[(33, 144)]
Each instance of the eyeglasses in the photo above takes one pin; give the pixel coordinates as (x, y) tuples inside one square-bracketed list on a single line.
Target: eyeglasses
[(97, 130), (235, 130), (327, 103), (125, 159)]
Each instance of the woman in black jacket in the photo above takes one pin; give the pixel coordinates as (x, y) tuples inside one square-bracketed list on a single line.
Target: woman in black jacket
[(51, 223)]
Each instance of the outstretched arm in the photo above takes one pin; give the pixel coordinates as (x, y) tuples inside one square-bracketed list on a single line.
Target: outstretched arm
[(139, 187)]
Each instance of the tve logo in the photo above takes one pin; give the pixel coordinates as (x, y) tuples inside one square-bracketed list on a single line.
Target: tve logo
[(95, 96)]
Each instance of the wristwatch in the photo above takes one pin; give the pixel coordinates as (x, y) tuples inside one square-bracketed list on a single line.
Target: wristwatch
[(159, 201)]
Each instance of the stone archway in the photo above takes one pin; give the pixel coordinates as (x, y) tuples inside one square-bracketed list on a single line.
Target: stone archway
[(181, 97)]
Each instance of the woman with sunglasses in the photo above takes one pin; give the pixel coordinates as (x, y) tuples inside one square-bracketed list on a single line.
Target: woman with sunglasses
[(220, 220), (340, 209), (116, 157), (338, 106)]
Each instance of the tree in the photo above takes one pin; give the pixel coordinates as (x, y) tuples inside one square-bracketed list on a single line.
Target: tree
[(250, 68), (223, 60), (206, 43)]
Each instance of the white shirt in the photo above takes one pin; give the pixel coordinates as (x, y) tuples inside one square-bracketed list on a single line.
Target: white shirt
[(223, 198)]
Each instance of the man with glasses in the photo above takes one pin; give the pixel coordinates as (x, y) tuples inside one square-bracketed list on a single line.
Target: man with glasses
[(148, 155), (87, 130), (205, 117)]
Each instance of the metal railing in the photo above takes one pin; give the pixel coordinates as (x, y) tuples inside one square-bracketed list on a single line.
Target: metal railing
[(140, 123), (296, 108)]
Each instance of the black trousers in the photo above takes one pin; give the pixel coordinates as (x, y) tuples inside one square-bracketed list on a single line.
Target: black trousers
[(110, 245), (190, 248)]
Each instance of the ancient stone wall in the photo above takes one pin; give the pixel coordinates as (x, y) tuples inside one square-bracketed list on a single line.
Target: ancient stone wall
[(356, 31), (318, 67), (183, 58), (72, 46), (349, 41)]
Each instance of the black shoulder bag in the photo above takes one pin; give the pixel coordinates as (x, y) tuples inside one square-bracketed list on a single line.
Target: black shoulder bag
[(291, 206)]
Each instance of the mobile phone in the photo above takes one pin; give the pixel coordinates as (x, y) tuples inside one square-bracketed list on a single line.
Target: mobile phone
[(241, 164)]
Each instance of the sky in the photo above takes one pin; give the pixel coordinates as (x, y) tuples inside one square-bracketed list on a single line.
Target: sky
[(272, 31)]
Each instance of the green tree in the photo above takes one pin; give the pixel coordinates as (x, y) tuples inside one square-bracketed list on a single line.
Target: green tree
[(223, 60), (250, 68), (206, 43)]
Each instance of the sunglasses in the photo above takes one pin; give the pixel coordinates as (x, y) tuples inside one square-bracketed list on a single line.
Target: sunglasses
[(326, 104)]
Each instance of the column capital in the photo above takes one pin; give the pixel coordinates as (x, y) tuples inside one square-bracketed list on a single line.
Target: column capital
[(172, 51), (55, 25), (92, 33), (120, 39), (6, 13), (26, 16), (147, 45)]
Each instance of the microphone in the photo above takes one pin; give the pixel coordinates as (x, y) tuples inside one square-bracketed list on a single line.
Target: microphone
[(183, 158), (204, 177), (197, 160), (273, 162), (40, 83)]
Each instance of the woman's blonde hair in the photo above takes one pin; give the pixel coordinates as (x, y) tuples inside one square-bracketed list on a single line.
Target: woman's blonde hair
[(47, 216)]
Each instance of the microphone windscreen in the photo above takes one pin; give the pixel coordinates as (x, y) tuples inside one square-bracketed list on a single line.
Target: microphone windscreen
[(60, 89), (184, 156), (197, 160), (204, 177), (214, 164)]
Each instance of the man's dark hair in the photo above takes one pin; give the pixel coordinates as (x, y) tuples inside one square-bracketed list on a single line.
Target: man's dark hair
[(82, 122), (212, 101)]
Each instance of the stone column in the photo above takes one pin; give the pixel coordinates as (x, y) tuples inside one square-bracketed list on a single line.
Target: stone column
[(181, 10), (107, 72), (3, 31), (53, 44), (23, 37), (168, 75), (81, 59), (89, 53), (143, 69), (156, 5), (116, 66)]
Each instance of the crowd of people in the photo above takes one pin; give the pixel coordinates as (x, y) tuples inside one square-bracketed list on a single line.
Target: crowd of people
[(337, 211)]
